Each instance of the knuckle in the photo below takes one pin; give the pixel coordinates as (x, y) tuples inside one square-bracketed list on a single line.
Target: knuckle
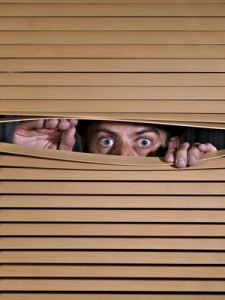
[(184, 146)]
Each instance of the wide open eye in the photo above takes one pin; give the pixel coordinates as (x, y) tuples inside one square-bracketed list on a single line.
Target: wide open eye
[(106, 142), (144, 142)]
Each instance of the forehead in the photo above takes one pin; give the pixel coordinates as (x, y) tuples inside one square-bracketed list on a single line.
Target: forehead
[(122, 126)]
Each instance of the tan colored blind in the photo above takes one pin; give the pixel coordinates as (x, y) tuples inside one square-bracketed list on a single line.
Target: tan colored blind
[(80, 226)]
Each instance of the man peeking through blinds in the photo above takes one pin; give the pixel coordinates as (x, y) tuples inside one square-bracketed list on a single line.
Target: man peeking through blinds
[(111, 138)]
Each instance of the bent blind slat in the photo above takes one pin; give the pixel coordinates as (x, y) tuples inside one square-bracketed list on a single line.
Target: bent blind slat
[(89, 229)]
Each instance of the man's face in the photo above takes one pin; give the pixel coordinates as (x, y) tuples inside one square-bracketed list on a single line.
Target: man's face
[(127, 139)]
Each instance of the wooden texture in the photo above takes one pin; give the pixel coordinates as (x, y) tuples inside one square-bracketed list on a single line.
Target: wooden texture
[(112, 23), (117, 80), (48, 229), (113, 37), (105, 296), (112, 285), (109, 10), (83, 227), (112, 257), (107, 202)]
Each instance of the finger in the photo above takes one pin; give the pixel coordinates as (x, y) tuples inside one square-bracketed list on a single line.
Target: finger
[(194, 155), (181, 155), (170, 156), (53, 146), (51, 123), (29, 125), (68, 139), (64, 124), (206, 147), (172, 146), (73, 122)]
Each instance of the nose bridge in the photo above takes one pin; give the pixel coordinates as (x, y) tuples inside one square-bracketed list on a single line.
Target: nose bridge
[(126, 149)]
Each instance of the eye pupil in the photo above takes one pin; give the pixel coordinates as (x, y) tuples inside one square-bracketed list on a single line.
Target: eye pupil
[(107, 141), (144, 142)]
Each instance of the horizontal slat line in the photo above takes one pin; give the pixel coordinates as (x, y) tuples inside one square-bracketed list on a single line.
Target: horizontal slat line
[(112, 51), (143, 188), (112, 23), (107, 79), (111, 1), (96, 296), (63, 175), (123, 216), (104, 105), (205, 125), (113, 271), (111, 257), (112, 285), (169, 230), (108, 296), (170, 117), (113, 93), (112, 65), (185, 202), (91, 158), (111, 10), (26, 161), (113, 243), (123, 37)]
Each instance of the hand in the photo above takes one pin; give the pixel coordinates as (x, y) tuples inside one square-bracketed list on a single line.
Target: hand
[(184, 155), (46, 133)]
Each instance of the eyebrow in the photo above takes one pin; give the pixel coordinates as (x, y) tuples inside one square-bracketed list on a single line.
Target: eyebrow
[(136, 133), (152, 130), (107, 131)]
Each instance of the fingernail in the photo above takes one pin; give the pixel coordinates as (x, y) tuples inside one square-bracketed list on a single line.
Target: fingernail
[(180, 163), (169, 158), (192, 161), (173, 138)]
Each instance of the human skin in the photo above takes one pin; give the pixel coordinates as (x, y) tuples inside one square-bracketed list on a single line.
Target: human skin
[(125, 139), (111, 138), (50, 134)]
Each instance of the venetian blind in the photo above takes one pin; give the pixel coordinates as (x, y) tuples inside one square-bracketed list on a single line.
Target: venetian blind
[(80, 226)]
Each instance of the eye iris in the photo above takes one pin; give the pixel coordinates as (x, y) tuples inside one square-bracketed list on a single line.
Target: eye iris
[(106, 142), (144, 142)]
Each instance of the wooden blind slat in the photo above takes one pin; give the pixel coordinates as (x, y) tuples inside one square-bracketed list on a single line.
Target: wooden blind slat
[(56, 164), (97, 296), (161, 93), (186, 118), (112, 37), (109, 10), (111, 285), (184, 188), (113, 243), (112, 65), (88, 106), (112, 23), (144, 202), (113, 271), (110, 79), (112, 51), (153, 230), (62, 215), (63, 175), (110, 1), (111, 257)]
